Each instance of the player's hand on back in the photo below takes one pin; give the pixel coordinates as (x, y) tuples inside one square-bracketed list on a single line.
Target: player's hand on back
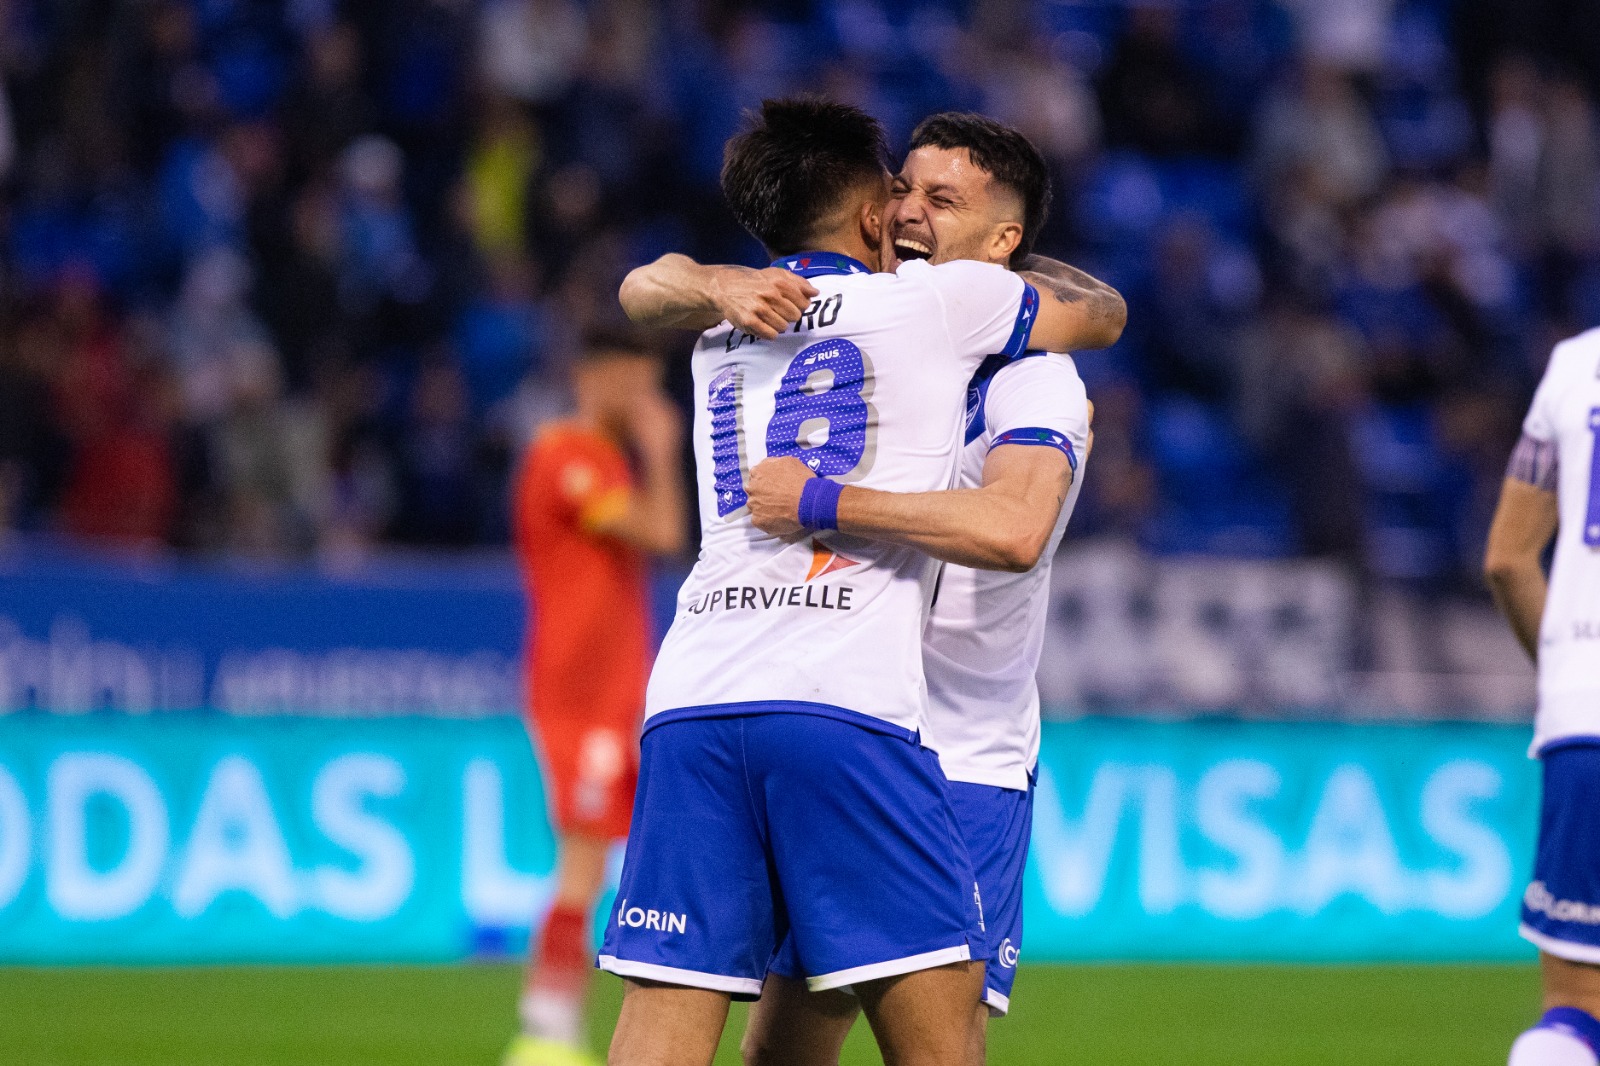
[(763, 303), (774, 492)]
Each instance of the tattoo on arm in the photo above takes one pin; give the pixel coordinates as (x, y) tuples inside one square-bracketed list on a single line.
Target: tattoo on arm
[(1063, 293), (1103, 306), (1065, 282)]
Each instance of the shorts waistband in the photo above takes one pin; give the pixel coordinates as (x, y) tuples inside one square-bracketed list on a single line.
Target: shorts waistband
[(752, 708), (1562, 743)]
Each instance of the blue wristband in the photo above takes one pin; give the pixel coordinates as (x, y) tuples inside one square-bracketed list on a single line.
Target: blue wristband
[(819, 504)]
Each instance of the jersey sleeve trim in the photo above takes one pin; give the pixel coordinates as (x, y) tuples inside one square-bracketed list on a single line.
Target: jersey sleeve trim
[(1534, 462), (1039, 437), (1023, 329)]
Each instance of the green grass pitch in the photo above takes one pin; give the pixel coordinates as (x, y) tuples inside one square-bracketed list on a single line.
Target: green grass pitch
[(462, 1016)]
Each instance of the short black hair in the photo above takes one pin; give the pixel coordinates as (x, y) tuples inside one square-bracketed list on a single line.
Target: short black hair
[(793, 163), (1000, 151)]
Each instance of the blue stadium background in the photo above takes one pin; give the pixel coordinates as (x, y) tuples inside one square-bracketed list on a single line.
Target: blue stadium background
[(286, 286), (294, 278)]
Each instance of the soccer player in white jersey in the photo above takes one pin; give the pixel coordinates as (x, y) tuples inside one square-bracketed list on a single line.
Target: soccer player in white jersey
[(970, 188), (783, 788), (1552, 489)]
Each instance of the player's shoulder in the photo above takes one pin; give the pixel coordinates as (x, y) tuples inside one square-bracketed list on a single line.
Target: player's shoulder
[(1042, 377), (967, 293), (1576, 354), (1049, 368), (864, 282), (1041, 390), (950, 275), (918, 294)]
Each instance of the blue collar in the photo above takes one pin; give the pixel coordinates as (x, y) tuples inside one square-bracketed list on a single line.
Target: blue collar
[(815, 264)]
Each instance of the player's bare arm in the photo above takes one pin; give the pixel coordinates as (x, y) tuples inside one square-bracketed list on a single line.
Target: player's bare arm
[(1076, 310), (675, 292), (1524, 522), (1004, 525), (651, 517)]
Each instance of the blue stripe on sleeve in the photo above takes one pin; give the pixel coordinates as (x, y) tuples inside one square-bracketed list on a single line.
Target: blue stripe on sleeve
[(1024, 327), (1040, 438)]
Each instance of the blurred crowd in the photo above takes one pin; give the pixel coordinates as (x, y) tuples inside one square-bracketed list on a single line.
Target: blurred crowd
[(299, 277)]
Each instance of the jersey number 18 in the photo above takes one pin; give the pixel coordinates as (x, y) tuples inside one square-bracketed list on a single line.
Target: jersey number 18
[(824, 393)]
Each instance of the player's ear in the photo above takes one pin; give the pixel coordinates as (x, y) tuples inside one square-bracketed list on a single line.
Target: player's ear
[(1003, 241), (872, 223)]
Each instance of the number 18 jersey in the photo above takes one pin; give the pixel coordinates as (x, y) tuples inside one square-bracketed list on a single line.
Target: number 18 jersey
[(867, 388)]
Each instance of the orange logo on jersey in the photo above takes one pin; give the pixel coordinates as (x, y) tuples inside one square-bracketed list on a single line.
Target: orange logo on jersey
[(825, 560)]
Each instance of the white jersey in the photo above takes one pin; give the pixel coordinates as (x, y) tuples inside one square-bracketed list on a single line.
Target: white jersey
[(1566, 417), (986, 630), (866, 389)]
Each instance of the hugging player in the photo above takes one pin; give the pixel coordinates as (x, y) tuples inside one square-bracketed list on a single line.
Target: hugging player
[(858, 397), (970, 188)]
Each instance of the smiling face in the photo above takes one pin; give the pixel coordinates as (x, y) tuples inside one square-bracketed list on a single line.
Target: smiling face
[(943, 207)]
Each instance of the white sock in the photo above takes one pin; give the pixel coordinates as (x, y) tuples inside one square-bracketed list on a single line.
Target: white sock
[(1550, 1047), (550, 1015)]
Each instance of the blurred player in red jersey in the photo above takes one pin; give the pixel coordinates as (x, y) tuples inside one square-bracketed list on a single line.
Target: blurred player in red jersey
[(595, 493)]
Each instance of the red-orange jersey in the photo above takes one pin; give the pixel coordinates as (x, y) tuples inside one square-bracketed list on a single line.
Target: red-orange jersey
[(589, 638)]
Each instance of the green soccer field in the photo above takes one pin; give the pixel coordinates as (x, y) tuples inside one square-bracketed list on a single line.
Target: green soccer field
[(461, 1016)]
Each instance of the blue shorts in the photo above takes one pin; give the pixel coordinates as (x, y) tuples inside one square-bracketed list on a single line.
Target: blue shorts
[(995, 823), (1561, 909), (754, 822)]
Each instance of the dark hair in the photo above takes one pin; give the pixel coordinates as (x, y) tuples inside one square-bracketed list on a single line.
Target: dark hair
[(794, 162), (1009, 158)]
